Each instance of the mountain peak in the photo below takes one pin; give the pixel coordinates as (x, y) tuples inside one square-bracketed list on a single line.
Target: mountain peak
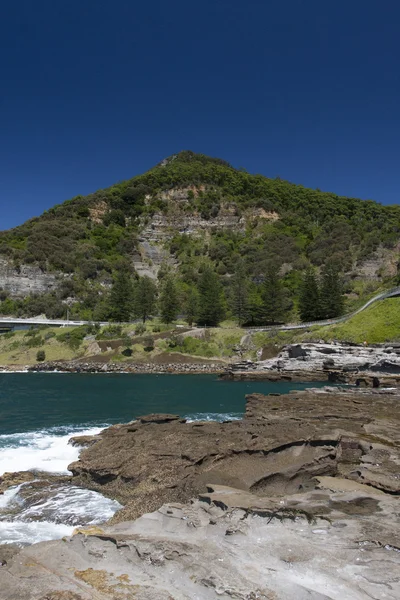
[(188, 156)]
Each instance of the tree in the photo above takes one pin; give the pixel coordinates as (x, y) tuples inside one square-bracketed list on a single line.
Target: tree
[(40, 355), (145, 295), (169, 302), (309, 300), (332, 301), (121, 297), (192, 305), (211, 299), (255, 304), (273, 297), (240, 290), (115, 216)]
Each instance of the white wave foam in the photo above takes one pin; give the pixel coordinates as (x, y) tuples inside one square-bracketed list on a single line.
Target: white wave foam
[(71, 505), (32, 519), (23, 533), (46, 450), (9, 496), (213, 417)]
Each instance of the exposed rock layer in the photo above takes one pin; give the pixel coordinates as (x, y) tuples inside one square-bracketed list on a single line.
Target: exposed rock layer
[(297, 501), (25, 280), (245, 550), (369, 365), (280, 445)]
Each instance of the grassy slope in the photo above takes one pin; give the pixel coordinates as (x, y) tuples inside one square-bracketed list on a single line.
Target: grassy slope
[(377, 324), (15, 351)]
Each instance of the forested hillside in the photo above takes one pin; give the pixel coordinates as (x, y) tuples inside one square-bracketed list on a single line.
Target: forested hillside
[(193, 215)]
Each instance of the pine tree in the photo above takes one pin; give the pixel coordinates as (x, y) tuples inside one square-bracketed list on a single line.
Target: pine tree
[(211, 299), (192, 305), (169, 302), (273, 297), (332, 301), (309, 300), (145, 296), (240, 291), (255, 304), (121, 297)]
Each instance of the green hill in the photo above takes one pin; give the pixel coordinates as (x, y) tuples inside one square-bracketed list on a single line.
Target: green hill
[(192, 209)]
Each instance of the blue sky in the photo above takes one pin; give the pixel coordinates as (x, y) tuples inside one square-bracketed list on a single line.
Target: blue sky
[(96, 92)]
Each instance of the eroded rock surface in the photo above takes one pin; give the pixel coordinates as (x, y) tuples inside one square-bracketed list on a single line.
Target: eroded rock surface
[(371, 365), (24, 280), (231, 544), (278, 448), (340, 356), (299, 500)]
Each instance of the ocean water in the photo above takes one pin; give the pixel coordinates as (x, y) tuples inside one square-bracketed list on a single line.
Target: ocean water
[(39, 412)]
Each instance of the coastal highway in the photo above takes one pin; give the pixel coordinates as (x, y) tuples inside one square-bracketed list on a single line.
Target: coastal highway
[(392, 293), (13, 322)]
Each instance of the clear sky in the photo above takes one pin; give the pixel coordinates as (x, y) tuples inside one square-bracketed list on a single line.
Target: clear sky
[(96, 91)]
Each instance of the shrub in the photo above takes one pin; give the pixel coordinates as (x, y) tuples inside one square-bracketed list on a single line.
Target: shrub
[(148, 344), (110, 332), (31, 332), (127, 352), (40, 355), (126, 341), (74, 337), (34, 342), (140, 329)]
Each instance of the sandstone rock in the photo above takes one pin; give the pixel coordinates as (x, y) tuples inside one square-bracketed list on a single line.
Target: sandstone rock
[(231, 544), (299, 500), (82, 440), (8, 480), (25, 280), (277, 449), (309, 362), (90, 530), (309, 357)]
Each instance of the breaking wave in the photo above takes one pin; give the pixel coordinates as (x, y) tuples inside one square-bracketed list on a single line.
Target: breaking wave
[(36, 511)]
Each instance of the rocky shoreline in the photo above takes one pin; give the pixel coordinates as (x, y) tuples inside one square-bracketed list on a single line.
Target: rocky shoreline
[(365, 366), (297, 500), (94, 367), (369, 366)]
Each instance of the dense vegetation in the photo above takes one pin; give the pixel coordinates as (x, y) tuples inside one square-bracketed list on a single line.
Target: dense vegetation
[(93, 238), (144, 343)]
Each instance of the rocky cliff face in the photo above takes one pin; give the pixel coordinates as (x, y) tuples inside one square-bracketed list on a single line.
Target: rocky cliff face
[(25, 279), (181, 218)]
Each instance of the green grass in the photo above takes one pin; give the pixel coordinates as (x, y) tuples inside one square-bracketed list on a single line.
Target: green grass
[(16, 350), (377, 324)]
